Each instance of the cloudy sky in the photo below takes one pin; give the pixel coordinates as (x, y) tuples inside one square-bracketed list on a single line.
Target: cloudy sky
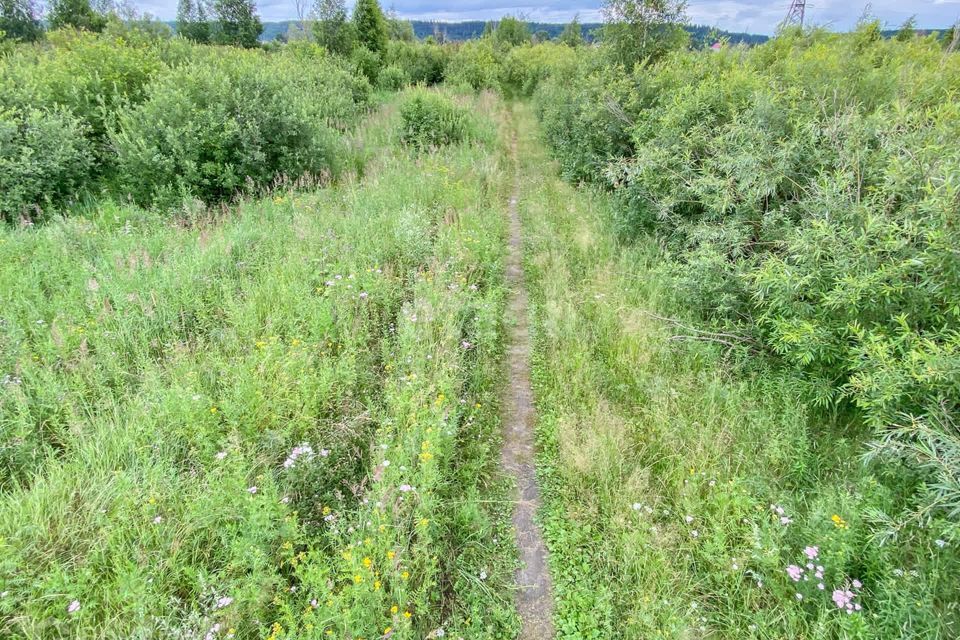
[(756, 16)]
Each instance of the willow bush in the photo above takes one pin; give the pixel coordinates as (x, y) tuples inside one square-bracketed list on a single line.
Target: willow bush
[(44, 157), (158, 119), (806, 195), (213, 128)]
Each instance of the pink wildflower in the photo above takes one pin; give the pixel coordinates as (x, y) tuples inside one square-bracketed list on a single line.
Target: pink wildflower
[(843, 598), (795, 572)]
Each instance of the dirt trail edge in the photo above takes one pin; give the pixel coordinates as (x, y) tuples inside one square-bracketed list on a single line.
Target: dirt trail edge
[(534, 595)]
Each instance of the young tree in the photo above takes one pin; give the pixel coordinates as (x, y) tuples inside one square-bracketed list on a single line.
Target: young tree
[(371, 26), (572, 34), (511, 32), (638, 29), (237, 23), (192, 20), (76, 13), (331, 29), (908, 30), (18, 20)]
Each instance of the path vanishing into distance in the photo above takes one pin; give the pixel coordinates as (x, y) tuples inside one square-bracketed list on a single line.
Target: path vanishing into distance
[(534, 595)]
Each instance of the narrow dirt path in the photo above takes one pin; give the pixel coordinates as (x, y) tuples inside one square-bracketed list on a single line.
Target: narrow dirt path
[(534, 592)]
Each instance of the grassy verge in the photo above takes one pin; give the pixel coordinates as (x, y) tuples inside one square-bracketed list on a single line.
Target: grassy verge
[(197, 414), (682, 500)]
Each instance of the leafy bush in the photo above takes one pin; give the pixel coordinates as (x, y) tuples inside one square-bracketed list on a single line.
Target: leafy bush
[(212, 128), (392, 78), (509, 32), (474, 64), (44, 159), (423, 63), (805, 191), (586, 118), (366, 62), (524, 68), (89, 76), (371, 26), (836, 246), (430, 119)]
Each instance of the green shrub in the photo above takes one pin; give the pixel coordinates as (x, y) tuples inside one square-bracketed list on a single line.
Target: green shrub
[(392, 78), (44, 159), (431, 120), (586, 117), (90, 76), (371, 26), (367, 63), (423, 63), (474, 64), (524, 68), (805, 192), (210, 129), (509, 32), (787, 170)]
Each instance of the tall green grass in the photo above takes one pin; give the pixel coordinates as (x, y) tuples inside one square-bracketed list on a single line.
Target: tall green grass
[(192, 410)]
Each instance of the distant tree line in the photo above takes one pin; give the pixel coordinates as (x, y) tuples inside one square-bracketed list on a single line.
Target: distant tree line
[(236, 22)]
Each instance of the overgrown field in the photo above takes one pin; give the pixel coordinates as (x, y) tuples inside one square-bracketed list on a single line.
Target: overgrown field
[(274, 423), (747, 365), (251, 345)]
